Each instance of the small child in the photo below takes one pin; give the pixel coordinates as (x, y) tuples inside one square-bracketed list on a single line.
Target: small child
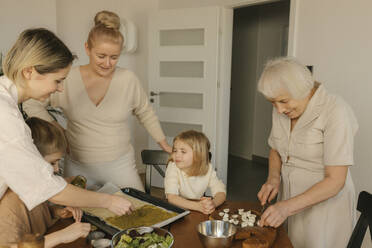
[(16, 220), (189, 173)]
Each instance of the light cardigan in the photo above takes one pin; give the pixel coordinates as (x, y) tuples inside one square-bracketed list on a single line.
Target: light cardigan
[(178, 182), (22, 168), (100, 133)]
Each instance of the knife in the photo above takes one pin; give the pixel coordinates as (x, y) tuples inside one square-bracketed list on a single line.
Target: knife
[(264, 207)]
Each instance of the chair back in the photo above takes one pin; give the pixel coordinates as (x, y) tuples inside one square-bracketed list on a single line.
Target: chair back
[(154, 157), (365, 208)]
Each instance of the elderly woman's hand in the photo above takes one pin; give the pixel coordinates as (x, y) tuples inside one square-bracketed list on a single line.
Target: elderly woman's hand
[(269, 190), (275, 214)]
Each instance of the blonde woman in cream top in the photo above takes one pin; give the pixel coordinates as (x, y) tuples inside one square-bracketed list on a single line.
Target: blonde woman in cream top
[(33, 69), (97, 101)]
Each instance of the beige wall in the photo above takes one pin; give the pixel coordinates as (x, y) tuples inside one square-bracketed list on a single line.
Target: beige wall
[(16, 16)]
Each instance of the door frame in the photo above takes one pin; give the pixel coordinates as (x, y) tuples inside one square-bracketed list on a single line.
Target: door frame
[(225, 56)]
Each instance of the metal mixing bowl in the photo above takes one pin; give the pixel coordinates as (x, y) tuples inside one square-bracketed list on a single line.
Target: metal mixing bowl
[(216, 233)]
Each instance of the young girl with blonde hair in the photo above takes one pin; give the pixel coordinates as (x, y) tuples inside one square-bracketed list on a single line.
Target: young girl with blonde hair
[(189, 174)]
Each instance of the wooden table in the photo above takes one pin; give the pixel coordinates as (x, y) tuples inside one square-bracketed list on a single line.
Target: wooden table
[(184, 230), (185, 233)]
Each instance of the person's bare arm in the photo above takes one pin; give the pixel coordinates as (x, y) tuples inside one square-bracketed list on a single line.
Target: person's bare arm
[(76, 197), (219, 198), (67, 235), (270, 189), (184, 203), (333, 182), (165, 146)]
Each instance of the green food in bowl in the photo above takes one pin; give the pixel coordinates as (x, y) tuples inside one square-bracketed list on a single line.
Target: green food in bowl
[(133, 239)]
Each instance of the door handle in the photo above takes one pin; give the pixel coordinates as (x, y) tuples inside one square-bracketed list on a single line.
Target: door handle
[(152, 93)]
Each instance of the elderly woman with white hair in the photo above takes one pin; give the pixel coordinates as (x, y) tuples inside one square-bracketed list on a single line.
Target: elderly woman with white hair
[(311, 150)]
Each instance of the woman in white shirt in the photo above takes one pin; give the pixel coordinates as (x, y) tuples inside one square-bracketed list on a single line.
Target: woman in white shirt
[(33, 69), (98, 100)]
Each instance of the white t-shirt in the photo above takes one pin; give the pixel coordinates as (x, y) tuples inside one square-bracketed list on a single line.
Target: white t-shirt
[(22, 168), (178, 182)]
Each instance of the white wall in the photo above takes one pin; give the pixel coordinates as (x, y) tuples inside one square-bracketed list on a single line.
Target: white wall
[(16, 16), (335, 36), (338, 44), (74, 20)]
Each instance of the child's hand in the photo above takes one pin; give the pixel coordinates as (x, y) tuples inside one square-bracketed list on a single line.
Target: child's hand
[(208, 205), (74, 231), (69, 212)]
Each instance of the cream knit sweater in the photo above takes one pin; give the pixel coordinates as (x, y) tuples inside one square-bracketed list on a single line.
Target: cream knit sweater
[(100, 133)]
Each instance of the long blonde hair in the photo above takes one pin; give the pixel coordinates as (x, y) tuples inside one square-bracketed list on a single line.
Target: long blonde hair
[(47, 137), (200, 146), (106, 25), (38, 48)]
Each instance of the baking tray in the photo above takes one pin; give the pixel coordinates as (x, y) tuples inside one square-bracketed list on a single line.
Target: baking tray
[(143, 197)]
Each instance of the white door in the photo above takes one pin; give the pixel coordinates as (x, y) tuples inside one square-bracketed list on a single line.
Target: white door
[(183, 72)]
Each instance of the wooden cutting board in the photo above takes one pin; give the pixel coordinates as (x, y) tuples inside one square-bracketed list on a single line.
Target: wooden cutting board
[(255, 236)]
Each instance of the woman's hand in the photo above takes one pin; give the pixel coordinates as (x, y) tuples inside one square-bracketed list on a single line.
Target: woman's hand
[(164, 145), (69, 212), (120, 206), (269, 190), (207, 205), (275, 214), (74, 231), (77, 213)]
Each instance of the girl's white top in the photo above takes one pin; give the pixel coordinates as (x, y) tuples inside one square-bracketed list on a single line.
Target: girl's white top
[(178, 182)]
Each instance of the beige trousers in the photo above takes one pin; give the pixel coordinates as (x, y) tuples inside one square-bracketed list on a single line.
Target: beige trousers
[(122, 172)]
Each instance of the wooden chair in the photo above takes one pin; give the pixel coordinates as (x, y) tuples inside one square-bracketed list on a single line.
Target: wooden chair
[(365, 208), (153, 158)]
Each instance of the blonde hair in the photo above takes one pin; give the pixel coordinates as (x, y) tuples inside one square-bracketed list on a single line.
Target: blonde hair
[(38, 48), (285, 75), (107, 25), (47, 137), (200, 146)]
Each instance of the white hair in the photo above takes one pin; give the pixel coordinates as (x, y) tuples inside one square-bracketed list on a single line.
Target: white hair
[(285, 75)]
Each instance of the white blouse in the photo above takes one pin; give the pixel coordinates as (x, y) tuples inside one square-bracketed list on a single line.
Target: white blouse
[(22, 168), (178, 182)]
